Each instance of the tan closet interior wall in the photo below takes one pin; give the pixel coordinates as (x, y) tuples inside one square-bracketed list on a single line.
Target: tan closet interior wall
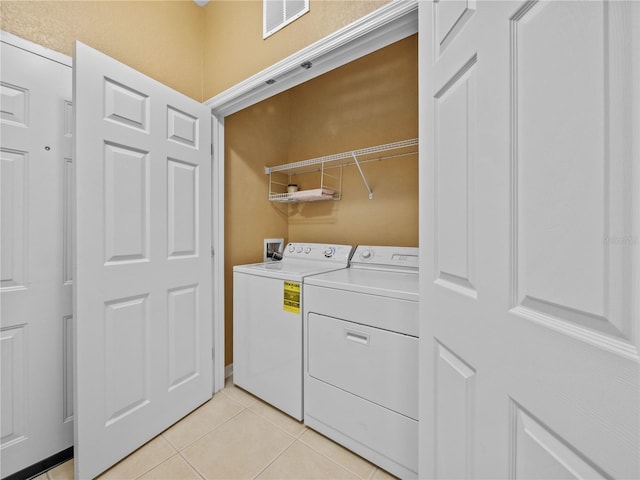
[(254, 137), (371, 101)]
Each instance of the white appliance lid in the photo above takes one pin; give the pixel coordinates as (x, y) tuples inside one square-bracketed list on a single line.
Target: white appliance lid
[(288, 269), (384, 283)]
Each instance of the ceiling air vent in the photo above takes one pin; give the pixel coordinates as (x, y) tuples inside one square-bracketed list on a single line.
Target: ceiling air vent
[(276, 14)]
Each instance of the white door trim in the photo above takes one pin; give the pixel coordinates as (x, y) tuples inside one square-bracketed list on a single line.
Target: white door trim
[(217, 234), (29, 46), (390, 23)]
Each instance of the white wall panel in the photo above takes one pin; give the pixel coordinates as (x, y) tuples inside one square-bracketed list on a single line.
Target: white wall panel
[(67, 368), (182, 127), (127, 216), (450, 17), (183, 225), (571, 261), (67, 221), (14, 105), (183, 334), (126, 325), (13, 241), (538, 453), (126, 106), (455, 400), (455, 152), (13, 344)]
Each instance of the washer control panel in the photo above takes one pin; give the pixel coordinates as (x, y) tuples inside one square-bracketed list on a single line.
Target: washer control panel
[(318, 251)]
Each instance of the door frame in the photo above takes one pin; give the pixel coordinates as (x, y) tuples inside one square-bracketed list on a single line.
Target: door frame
[(388, 24)]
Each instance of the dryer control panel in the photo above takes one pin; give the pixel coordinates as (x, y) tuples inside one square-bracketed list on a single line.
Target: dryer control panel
[(386, 258)]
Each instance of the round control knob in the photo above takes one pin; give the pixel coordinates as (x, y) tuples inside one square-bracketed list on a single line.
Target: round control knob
[(366, 255), (307, 250), (329, 251), (299, 250), (292, 248)]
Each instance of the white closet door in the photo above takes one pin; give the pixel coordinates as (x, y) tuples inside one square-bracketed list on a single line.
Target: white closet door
[(530, 221), (35, 293), (143, 335)]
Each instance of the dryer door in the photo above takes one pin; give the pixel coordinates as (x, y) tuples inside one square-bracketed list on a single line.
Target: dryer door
[(375, 364)]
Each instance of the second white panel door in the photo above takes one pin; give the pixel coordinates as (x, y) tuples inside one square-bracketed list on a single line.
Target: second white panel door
[(143, 298), (530, 328)]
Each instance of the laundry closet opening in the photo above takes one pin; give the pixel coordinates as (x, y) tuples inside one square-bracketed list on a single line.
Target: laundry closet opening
[(368, 102)]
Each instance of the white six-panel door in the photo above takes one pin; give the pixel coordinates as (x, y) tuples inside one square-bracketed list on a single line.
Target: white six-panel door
[(143, 297), (530, 219), (36, 264)]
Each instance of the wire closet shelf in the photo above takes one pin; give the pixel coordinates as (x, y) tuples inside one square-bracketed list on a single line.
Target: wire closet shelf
[(330, 184)]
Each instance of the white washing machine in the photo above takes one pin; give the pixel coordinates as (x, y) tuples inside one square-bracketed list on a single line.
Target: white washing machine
[(361, 356), (267, 321)]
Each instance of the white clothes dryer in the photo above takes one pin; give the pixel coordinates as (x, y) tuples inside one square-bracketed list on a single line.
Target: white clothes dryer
[(268, 299), (361, 356)]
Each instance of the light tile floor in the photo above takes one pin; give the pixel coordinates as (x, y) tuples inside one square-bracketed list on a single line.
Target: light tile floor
[(236, 436)]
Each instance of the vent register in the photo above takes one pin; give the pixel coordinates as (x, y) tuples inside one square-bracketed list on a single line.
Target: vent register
[(277, 14)]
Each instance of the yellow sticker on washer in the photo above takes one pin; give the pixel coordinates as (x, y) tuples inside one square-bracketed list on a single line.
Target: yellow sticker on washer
[(291, 297)]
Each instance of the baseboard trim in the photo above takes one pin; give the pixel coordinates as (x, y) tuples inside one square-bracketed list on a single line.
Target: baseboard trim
[(228, 370), (42, 466)]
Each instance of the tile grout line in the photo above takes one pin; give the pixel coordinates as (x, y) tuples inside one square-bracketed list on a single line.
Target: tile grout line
[(298, 438), (192, 466), (243, 408), (155, 466), (177, 451), (275, 458), (250, 396), (339, 464), (295, 438), (205, 434), (210, 431)]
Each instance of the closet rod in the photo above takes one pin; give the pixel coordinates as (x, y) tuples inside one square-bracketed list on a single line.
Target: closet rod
[(340, 156), (361, 162)]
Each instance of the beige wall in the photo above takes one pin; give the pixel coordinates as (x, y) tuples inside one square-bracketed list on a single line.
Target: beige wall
[(371, 101), (234, 48), (162, 39), (197, 51)]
